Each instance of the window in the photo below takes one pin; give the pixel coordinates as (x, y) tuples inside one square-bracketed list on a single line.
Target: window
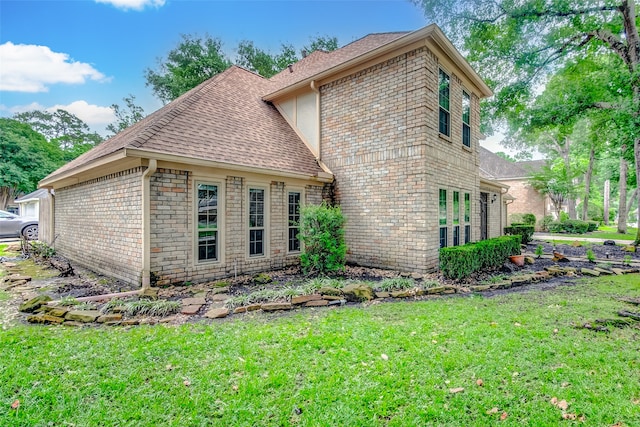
[(443, 218), (294, 221), (456, 218), (443, 95), (466, 119), (467, 217), (256, 222), (207, 222)]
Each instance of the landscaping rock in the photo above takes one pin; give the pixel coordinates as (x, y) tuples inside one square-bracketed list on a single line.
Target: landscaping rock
[(246, 308), (416, 276), (629, 248), (317, 303), (331, 297), (275, 306), (220, 297), (435, 290), (590, 272), (618, 271), (127, 322), (73, 323), (109, 318), (217, 313), (558, 257), (338, 302), (190, 310), (151, 293), (576, 244), (529, 260), (44, 319), (222, 290), (609, 243), (603, 271), (305, 298), (480, 288), (405, 293), (327, 290), (383, 294), (193, 301), (55, 311), (34, 303), (84, 316), (358, 292)]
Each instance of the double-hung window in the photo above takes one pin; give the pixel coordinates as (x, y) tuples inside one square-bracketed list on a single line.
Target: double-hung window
[(444, 86), (294, 221), (257, 232), (208, 222), (466, 119), (467, 217), (456, 218), (442, 218)]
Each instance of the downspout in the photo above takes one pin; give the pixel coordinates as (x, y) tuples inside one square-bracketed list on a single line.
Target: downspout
[(146, 223)]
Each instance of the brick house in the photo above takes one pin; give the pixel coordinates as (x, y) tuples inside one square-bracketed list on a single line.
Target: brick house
[(209, 185), (515, 175)]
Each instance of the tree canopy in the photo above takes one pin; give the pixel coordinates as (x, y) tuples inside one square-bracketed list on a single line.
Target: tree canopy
[(125, 116)]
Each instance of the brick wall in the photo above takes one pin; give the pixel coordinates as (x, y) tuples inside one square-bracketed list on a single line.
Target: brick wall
[(98, 224), (527, 200), (380, 139), (173, 234)]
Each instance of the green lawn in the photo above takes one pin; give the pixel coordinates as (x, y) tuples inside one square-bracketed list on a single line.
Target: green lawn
[(604, 232), (395, 364)]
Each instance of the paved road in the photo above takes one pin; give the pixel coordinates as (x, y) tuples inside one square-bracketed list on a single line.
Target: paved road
[(547, 236)]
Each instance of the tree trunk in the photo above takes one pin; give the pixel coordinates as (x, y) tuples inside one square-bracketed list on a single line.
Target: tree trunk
[(6, 194), (622, 205), (607, 193), (571, 199), (636, 152), (587, 183)]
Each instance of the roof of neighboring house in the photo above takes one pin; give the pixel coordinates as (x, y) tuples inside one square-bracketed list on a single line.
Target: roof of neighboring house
[(223, 120), (35, 195), (497, 168)]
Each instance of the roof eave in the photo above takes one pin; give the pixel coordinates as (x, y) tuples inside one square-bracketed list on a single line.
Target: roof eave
[(431, 30), (48, 181)]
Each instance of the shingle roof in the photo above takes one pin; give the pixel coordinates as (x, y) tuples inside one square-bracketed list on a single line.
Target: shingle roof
[(495, 167), (320, 61), (223, 120)]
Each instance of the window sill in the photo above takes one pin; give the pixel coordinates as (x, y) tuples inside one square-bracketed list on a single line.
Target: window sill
[(445, 137), (464, 147)]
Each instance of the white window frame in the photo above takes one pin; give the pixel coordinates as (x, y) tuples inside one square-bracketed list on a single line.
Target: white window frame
[(220, 222), (440, 107), (265, 224), (288, 225)]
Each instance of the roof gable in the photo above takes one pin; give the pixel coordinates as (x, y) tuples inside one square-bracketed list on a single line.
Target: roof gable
[(495, 167)]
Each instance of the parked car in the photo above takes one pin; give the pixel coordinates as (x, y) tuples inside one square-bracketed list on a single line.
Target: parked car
[(12, 225)]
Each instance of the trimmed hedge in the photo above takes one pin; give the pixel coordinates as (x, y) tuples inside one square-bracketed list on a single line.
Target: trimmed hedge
[(574, 226), (524, 230), (459, 262), (593, 226)]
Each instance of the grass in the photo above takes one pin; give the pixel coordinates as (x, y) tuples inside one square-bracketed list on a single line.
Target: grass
[(604, 232), (395, 364)]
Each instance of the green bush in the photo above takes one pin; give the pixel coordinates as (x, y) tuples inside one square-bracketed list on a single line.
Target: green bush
[(573, 226), (322, 235), (459, 262), (529, 219), (545, 222), (593, 226), (525, 231)]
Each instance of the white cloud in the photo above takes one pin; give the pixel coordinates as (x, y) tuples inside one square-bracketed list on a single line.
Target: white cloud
[(133, 4), (31, 68)]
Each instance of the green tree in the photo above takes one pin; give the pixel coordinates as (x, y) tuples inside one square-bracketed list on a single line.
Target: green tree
[(262, 62), (193, 61), (515, 45), (62, 128), (25, 158), (125, 116), (324, 43), (553, 181)]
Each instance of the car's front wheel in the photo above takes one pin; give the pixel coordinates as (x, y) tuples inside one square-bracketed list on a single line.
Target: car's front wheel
[(30, 232)]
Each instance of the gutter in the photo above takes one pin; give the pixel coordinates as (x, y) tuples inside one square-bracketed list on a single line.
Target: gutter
[(146, 223)]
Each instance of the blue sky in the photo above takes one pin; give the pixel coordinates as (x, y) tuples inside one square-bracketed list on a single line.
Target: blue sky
[(86, 55)]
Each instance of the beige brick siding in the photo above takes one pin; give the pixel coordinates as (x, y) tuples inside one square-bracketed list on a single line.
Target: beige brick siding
[(527, 200), (173, 233), (380, 138), (98, 224)]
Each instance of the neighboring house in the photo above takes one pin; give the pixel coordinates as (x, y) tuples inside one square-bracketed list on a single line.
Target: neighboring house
[(29, 204), (516, 176), (209, 186)]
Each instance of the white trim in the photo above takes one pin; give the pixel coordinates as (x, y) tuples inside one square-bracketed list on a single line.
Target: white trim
[(266, 220), (287, 226), (220, 238)]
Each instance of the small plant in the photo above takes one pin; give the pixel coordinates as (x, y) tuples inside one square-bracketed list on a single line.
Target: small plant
[(68, 302), (539, 251), (322, 233), (494, 279), (395, 284), (146, 307), (591, 257), (261, 279), (41, 249), (626, 260)]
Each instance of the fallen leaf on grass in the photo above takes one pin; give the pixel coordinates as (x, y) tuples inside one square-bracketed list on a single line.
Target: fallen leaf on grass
[(566, 416), (560, 404), (564, 385), (555, 331), (504, 416), (187, 383), (169, 367), (234, 387), (456, 390), (517, 324), (384, 356), (15, 404), (492, 411), (479, 382), (636, 401), (618, 424)]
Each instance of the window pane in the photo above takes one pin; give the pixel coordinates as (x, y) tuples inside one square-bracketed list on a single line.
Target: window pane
[(466, 135), (456, 235), (256, 208), (467, 233), (443, 237), (444, 90), (444, 122), (466, 108), (467, 207), (294, 242), (456, 207), (294, 221), (207, 245), (256, 242), (443, 207)]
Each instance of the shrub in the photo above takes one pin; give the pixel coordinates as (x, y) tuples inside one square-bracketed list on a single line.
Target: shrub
[(593, 226), (563, 216), (529, 219), (322, 234), (544, 223), (458, 262), (525, 231), (574, 226)]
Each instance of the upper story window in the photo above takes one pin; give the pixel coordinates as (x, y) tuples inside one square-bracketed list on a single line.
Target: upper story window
[(207, 222), (444, 86), (466, 119)]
